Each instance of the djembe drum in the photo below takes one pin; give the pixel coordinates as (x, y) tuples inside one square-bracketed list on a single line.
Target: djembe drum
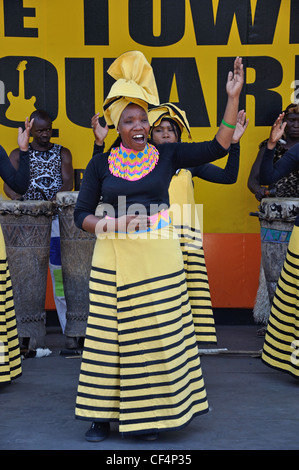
[(26, 227), (76, 255)]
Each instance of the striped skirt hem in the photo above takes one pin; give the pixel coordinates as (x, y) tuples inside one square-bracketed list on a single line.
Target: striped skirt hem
[(281, 346), (10, 358)]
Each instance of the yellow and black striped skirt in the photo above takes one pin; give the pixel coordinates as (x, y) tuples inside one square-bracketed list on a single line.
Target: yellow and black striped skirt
[(187, 220), (140, 364), (281, 346), (10, 359)]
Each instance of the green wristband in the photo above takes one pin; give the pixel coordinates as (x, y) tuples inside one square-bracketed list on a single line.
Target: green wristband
[(231, 126)]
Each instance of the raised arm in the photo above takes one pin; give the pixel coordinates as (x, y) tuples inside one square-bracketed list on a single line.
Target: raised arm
[(228, 174), (16, 173), (100, 132), (234, 86), (270, 172), (253, 182), (215, 174)]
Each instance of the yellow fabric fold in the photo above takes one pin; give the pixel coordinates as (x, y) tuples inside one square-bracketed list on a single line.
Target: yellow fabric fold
[(135, 83)]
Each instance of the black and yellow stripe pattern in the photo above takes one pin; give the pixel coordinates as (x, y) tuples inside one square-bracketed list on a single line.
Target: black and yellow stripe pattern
[(140, 365), (281, 346), (184, 213), (10, 359)]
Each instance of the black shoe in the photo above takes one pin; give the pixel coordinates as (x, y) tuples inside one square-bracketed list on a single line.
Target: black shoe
[(97, 432)]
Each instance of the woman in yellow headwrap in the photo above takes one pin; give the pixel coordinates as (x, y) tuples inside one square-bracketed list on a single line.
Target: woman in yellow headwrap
[(168, 122), (140, 364)]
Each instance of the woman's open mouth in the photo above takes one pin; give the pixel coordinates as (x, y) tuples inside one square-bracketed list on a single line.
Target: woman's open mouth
[(138, 137)]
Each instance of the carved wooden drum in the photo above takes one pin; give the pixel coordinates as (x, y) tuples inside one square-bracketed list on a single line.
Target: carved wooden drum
[(26, 227), (76, 254)]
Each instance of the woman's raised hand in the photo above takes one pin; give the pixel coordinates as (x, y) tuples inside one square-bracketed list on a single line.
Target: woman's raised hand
[(235, 79), (241, 126), (277, 131)]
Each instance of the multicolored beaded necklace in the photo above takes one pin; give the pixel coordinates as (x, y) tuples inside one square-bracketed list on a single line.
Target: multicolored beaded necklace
[(132, 165)]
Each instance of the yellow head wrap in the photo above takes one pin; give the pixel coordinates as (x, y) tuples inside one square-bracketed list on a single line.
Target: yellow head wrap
[(135, 83), (169, 111)]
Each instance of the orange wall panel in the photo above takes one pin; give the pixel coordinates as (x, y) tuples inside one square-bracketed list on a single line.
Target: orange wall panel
[(233, 264)]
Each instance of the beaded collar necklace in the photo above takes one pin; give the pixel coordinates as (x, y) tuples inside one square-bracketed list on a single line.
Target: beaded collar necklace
[(130, 164)]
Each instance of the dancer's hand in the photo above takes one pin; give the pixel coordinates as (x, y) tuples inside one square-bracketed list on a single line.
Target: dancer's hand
[(235, 79), (132, 223), (99, 131), (24, 135), (277, 131), (241, 126)]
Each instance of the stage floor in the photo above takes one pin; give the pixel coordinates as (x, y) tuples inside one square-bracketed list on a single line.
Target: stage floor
[(252, 407)]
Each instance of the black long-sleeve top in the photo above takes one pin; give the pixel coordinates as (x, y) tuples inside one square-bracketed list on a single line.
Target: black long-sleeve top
[(271, 172), (17, 180), (214, 174), (151, 191)]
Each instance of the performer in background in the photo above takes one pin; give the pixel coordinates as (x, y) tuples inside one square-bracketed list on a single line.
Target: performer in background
[(168, 123), (282, 337), (51, 170), (288, 186), (10, 359)]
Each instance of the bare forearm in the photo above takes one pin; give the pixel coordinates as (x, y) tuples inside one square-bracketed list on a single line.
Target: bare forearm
[(98, 225), (125, 223), (225, 132), (91, 221)]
